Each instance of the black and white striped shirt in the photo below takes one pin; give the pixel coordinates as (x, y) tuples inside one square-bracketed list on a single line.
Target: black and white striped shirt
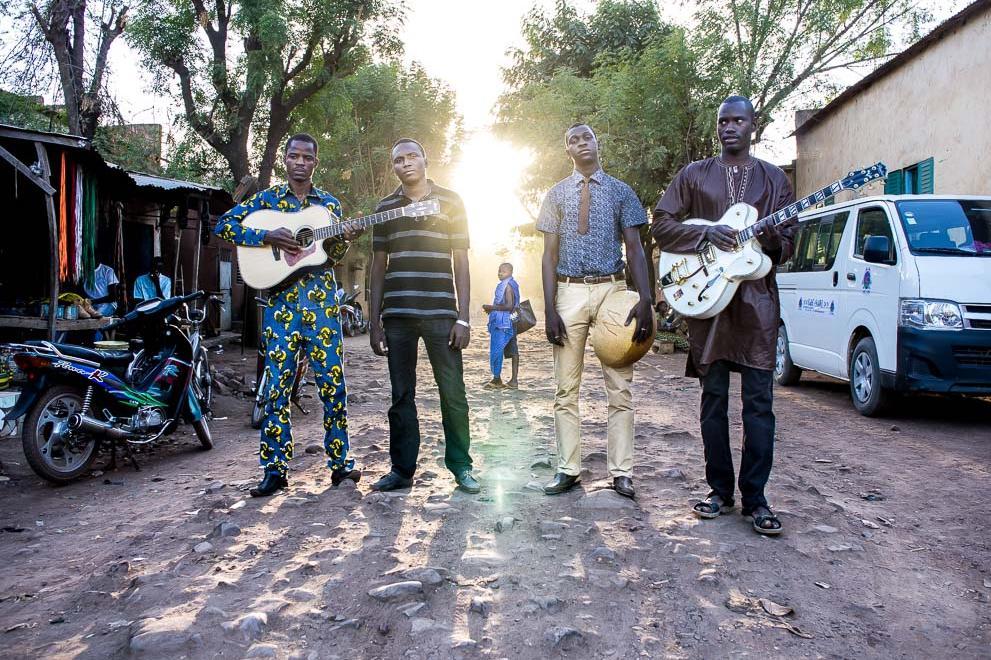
[(419, 278)]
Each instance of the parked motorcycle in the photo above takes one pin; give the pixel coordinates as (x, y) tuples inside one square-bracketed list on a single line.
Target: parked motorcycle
[(77, 398), (352, 317)]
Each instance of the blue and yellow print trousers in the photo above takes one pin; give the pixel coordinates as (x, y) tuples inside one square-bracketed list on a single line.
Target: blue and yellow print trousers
[(304, 322)]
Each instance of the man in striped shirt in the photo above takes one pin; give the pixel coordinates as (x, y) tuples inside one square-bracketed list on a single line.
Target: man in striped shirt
[(420, 289)]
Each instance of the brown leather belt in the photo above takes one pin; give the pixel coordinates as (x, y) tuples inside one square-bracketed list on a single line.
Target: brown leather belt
[(593, 279)]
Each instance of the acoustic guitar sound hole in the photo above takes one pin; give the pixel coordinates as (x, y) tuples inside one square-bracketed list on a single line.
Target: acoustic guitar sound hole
[(305, 237)]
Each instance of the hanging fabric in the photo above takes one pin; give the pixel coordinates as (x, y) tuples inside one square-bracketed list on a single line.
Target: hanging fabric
[(90, 211), (63, 240), (77, 262)]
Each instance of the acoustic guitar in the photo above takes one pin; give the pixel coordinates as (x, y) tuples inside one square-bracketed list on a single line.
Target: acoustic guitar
[(265, 266)]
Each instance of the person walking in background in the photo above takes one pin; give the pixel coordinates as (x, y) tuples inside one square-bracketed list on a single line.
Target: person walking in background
[(153, 284), (502, 335)]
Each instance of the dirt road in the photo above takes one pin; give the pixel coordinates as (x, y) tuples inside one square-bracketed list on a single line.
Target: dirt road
[(885, 554)]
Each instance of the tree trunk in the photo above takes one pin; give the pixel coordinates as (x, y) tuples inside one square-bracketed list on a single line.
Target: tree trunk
[(278, 128)]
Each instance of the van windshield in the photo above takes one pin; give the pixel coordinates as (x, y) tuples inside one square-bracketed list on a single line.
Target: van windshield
[(947, 226)]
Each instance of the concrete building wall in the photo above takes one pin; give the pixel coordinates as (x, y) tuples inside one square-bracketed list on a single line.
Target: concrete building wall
[(932, 106)]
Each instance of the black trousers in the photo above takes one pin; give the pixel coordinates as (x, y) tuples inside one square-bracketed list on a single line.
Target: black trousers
[(403, 335), (758, 432)]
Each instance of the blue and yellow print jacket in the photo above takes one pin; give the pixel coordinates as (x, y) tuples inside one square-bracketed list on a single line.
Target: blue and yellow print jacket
[(279, 198)]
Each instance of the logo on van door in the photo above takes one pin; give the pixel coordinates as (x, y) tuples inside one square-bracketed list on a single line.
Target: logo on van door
[(817, 306), (867, 280)]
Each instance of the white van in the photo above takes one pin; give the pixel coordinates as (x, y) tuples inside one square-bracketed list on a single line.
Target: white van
[(891, 293)]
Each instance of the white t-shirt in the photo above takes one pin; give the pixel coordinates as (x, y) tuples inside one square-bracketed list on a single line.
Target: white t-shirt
[(103, 277)]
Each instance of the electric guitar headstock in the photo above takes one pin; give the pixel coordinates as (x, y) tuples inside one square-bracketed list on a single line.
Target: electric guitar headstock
[(859, 178)]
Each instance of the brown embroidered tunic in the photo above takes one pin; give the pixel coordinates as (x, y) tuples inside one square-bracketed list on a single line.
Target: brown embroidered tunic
[(745, 332)]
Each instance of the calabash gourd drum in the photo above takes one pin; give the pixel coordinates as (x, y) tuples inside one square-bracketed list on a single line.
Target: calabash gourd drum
[(613, 341)]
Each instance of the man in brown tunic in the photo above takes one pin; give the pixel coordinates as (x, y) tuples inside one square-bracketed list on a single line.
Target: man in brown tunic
[(742, 337)]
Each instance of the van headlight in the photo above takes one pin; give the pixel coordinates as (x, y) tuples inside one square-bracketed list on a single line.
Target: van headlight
[(930, 315)]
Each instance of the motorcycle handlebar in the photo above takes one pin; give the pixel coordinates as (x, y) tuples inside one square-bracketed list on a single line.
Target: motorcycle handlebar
[(163, 306)]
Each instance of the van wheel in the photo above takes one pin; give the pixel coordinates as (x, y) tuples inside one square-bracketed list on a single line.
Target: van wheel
[(785, 371), (869, 398)]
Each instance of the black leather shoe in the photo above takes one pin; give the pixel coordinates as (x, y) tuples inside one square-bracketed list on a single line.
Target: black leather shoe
[(392, 481), (468, 483), (624, 486), (561, 484), (271, 484), (337, 476)]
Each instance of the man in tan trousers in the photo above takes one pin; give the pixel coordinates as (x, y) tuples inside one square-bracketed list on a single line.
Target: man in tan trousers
[(586, 219)]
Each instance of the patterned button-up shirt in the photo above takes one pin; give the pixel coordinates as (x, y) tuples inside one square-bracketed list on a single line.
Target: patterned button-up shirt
[(614, 207), (280, 198)]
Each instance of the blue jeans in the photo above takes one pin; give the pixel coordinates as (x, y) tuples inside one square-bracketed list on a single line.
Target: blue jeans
[(500, 338)]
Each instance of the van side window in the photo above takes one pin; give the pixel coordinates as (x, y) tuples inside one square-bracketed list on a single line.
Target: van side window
[(817, 243), (873, 222)]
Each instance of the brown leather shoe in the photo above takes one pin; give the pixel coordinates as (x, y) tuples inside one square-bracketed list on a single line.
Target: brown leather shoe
[(624, 486)]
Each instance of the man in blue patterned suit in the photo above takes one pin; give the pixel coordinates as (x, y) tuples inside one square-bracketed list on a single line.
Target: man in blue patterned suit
[(302, 318)]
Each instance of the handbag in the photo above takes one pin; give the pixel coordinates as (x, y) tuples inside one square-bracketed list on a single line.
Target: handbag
[(523, 317)]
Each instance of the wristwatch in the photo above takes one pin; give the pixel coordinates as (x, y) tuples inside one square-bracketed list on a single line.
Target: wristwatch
[(464, 323)]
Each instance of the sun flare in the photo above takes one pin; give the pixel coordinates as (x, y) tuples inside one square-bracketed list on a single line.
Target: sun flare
[(487, 176)]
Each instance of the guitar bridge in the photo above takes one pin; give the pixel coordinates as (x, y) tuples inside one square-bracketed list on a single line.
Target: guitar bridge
[(276, 253)]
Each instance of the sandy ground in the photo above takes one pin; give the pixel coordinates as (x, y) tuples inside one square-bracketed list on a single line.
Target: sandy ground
[(885, 553)]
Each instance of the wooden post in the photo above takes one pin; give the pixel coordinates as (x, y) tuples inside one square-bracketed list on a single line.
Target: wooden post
[(198, 247), (46, 174)]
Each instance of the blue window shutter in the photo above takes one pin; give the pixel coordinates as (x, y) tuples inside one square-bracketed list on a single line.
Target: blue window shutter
[(926, 177), (895, 183)]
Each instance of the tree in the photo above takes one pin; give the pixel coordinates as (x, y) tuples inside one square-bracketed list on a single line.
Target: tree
[(773, 49), (639, 88), (357, 119), (245, 67), (569, 40), (58, 39), (652, 100)]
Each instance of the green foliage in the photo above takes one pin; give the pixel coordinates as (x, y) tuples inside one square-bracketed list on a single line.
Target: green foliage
[(569, 40), (189, 158), (651, 90), (245, 67), (357, 119), (775, 50), (27, 112)]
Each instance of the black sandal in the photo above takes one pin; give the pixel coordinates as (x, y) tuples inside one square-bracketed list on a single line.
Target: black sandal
[(761, 515), (712, 507)]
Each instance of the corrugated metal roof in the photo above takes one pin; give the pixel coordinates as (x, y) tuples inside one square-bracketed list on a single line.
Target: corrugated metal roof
[(143, 180)]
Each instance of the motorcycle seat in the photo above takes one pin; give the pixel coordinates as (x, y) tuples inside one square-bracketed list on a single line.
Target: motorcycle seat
[(104, 357)]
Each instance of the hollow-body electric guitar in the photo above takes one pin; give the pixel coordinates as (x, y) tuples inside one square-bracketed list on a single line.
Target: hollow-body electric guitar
[(265, 266), (701, 284)]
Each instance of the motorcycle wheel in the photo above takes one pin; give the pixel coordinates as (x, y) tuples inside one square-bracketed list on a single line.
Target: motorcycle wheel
[(258, 411), (49, 454), (203, 433), (203, 381)]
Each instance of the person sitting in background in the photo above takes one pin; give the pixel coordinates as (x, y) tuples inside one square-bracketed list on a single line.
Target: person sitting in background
[(103, 292), (502, 336), (153, 284)]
